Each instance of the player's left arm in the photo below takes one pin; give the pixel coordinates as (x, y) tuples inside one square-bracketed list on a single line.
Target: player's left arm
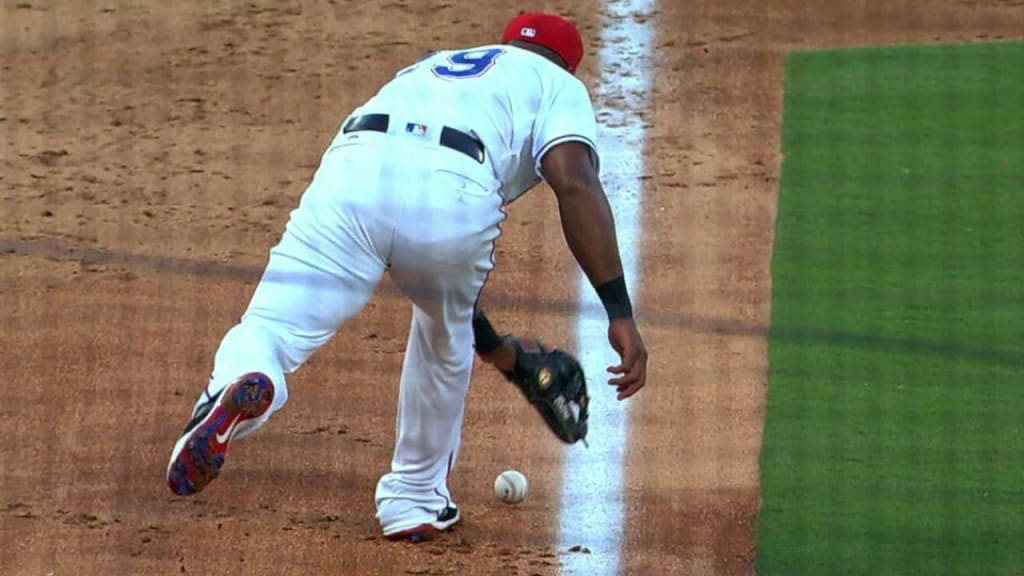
[(492, 348)]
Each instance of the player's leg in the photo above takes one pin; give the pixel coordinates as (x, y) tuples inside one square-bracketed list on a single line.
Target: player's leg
[(322, 272), (441, 264), (432, 391)]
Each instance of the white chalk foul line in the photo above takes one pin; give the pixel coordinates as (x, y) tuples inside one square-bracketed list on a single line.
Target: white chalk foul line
[(593, 491)]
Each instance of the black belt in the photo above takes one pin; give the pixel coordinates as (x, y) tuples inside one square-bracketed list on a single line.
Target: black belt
[(450, 137)]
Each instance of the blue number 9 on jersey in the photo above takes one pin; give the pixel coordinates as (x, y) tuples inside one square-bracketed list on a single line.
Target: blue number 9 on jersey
[(468, 63)]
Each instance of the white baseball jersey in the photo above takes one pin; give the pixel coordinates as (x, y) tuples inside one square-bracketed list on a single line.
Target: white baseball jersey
[(519, 104)]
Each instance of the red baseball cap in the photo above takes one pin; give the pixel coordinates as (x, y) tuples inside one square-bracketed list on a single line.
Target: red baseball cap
[(548, 30)]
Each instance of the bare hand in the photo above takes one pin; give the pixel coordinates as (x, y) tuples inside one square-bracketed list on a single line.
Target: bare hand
[(625, 339)]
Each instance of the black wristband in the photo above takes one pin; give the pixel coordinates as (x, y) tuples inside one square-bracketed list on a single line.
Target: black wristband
[(615, 298), (487, 340)]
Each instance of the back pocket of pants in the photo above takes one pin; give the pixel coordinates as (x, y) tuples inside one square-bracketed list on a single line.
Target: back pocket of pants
[(465, 186)]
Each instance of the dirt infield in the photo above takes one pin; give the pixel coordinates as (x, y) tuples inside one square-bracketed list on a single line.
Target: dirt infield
[(150, 154)]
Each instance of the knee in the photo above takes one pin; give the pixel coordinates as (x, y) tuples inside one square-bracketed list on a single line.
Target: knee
[(249, 347), (251, 338)]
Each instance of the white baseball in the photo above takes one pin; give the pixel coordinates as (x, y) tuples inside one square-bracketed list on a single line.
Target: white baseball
[(511, 487)]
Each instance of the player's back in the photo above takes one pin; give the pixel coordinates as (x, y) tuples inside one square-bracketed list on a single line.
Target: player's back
[(501, 94)]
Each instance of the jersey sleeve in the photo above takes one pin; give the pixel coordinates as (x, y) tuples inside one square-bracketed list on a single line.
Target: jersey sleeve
[(566, 115)]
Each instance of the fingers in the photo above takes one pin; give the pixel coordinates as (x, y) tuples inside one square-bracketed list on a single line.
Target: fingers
[(625, 393), (632, 384), (632, 374), (628, 375), (628, 360), (628, 380)]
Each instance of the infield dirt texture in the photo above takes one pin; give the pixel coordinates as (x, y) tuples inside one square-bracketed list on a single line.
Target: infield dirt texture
[(149, 155)]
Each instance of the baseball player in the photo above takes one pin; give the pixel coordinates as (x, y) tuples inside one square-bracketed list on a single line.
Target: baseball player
[(415, 184)]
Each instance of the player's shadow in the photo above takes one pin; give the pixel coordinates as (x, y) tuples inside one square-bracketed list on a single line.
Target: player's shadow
[(54, 250)]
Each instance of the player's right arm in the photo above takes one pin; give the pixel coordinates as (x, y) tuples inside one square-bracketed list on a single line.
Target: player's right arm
[(587, 219), (589, 227)]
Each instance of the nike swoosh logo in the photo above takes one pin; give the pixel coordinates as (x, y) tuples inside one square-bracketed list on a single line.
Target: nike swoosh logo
[(223, 438)]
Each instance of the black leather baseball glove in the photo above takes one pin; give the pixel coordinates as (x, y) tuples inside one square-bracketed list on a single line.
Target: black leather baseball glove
[(553, 381)]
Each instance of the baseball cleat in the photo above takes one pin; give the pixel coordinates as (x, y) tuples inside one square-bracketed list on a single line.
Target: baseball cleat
[(199, 454), (446, 518)]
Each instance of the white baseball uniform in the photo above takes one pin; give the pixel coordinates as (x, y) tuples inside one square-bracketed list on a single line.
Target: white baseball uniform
[(399, 201)]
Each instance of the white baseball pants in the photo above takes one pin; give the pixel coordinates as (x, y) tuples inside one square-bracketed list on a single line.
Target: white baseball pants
[(427, 215)]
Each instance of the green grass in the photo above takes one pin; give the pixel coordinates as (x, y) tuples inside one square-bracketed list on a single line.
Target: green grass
[(894, 441)]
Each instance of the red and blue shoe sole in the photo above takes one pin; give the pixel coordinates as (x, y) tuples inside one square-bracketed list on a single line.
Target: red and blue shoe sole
[(199, 454)]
